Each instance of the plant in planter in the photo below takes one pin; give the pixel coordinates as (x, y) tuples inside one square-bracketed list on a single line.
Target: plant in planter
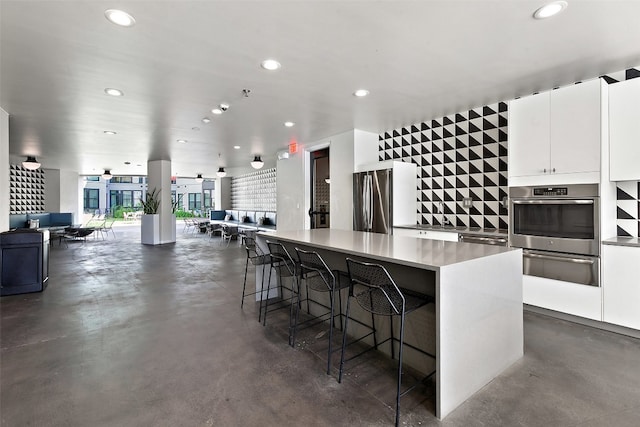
[(151, 202)]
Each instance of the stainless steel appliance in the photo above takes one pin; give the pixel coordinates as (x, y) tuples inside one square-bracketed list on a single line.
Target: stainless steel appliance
[(483, 239), (372, 196), (559, 229)]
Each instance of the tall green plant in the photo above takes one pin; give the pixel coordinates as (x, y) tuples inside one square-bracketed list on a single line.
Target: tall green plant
[(151, 202)]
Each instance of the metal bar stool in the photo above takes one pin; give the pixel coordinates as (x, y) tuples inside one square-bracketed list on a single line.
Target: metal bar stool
[(376, 292), (256, 257), (284, 266), (313, 271)]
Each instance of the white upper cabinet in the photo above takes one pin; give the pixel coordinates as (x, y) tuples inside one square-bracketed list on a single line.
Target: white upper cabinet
[(624, 130), (554, 137)]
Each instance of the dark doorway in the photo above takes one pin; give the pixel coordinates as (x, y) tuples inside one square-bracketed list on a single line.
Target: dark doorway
[(320, 182)]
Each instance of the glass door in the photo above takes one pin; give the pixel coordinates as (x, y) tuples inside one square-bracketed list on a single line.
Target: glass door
[(320, 184)]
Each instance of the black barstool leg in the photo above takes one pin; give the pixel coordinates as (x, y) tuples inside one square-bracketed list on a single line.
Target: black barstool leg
[(393, 353), (333, 298), (246, 267), (265, 299), (344, 339), (294, 312), (399, 368)]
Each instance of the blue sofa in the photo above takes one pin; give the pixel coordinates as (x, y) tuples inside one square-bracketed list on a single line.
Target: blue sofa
[(260, 220), (47, 220)]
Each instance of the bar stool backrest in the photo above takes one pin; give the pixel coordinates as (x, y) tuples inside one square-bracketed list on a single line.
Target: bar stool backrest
[(314, 270), (374, 289), (281, 260)]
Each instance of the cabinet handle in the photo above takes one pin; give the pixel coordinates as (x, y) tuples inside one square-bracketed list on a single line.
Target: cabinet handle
[(544, 170), (553, 170)]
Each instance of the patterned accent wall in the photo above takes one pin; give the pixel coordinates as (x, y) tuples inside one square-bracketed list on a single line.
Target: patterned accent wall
[(254, 191), (459, 156), (26, 190), (628, 193)]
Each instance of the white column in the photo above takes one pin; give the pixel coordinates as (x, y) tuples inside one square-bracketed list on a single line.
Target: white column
[(4, 170), (159, 177)]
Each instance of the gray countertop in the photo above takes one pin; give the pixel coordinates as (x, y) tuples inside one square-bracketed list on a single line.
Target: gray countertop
[(422, 253), (460, 230), (623, 241)]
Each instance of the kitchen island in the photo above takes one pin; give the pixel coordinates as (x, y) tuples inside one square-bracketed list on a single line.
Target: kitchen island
[(478, 291)]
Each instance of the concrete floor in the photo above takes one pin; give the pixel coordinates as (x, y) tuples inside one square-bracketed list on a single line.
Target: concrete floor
[(132, 335)]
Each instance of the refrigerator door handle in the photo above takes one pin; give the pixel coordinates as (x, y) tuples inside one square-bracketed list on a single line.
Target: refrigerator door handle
[(367, 202)]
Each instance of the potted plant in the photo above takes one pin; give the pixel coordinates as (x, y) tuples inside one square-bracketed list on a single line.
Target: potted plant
[(150, 230)]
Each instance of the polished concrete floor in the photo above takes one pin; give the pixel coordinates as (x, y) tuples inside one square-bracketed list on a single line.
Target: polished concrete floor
[(132, 335)]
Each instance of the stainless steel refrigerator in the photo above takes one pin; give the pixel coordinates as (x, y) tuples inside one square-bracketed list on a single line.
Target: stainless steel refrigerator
[(372, 201), (384, 196)]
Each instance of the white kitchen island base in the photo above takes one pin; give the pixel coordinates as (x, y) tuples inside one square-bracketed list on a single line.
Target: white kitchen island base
[(478, 290)]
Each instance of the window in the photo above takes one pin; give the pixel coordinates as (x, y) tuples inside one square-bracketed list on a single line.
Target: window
[(92, 178), (121, 179), (125, 198), (91, 199), (195, 201), (208, 199)]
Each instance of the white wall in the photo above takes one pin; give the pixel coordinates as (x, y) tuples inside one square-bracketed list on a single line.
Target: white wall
[(4, 170), (61, 193), (52, 190), (159, 177), (292, 180)]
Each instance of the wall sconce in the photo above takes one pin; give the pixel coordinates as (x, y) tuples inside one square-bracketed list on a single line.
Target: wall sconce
[(257, 162), (199, 178), (107, 174), (221, 173), (327, 180), (31, 163)]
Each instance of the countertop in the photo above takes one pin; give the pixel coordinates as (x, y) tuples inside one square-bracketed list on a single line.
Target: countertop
[(411, 251), (462, 230), (623, 241)]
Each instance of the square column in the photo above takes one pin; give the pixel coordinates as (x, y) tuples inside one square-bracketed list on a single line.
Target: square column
[(159, 178)]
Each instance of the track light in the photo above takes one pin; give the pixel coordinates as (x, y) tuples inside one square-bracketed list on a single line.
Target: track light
[(257, 162), (199, 178), (107, 174), (31, 163)]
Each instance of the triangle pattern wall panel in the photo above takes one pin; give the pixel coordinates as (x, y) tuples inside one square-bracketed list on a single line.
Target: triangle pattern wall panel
[(26, 190), (462, 155), (628, 192)]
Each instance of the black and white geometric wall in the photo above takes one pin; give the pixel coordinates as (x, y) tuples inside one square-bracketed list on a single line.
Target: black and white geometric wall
[(628, 193), (26, 190), (459, 156)]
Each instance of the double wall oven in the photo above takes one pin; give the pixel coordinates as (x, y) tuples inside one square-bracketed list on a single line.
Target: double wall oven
[(558, 229)]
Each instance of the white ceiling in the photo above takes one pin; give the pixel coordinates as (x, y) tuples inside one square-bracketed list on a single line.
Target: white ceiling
[(419, 59)]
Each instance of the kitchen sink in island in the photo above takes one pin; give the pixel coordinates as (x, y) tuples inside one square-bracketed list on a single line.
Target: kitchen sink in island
[(478, 330)]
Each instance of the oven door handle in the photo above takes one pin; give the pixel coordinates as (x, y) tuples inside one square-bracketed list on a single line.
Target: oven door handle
[(558, 258), (553, 202)]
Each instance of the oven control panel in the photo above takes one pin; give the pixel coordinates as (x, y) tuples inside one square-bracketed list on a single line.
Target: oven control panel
[(550, 191)]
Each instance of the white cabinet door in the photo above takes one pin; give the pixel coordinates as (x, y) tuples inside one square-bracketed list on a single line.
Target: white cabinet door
[(571, 298), (575, 128), (621, 285), (529, 148), (624, 130)]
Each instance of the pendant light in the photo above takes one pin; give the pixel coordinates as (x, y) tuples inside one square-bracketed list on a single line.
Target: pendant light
[(31, 163), (257, 162), (199, 178), (221, 173), (107, 174)]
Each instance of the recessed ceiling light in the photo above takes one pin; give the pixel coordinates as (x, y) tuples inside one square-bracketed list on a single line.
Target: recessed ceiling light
[(289, 124), (119, 17), (236, 147), (127, 163), (206, 120), (550, 9), (216, 111), (113, 92), (270, 64), (110, 132), (182, 141), (361, 92)]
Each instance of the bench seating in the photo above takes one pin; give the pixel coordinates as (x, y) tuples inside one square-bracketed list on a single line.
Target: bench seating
[(48, 220), (254, 220)]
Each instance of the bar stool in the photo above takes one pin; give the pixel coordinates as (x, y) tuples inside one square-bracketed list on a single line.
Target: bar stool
[(376, 292), (256, 257), (282, 263), (315, 274)]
